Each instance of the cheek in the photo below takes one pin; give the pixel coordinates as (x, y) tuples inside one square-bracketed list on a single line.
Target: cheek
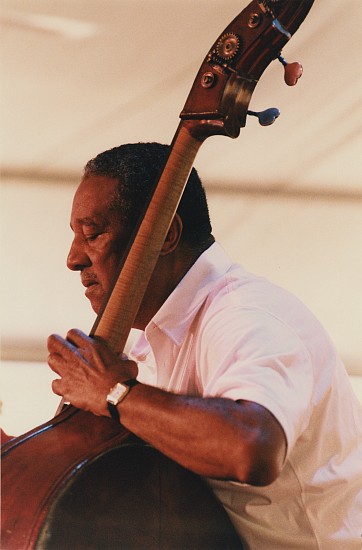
[(107, 269), (106, 259)]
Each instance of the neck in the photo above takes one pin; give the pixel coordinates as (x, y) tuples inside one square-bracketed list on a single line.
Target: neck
[(169, 271)]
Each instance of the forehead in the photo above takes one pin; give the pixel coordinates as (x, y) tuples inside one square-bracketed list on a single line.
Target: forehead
[(93, 197)]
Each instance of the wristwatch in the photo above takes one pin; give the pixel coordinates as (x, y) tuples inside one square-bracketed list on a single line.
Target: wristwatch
[(117, 394)]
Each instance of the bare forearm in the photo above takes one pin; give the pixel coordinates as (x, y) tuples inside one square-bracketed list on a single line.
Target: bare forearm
[(213, 437)]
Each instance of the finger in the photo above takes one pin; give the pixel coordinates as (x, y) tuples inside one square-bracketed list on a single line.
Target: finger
[(57, 363), (86, 345), (56, 387), (61, 353), (54, 342), (78, 338), (57, 345)]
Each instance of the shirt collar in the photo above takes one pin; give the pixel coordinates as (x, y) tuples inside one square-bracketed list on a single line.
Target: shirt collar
[(179, 310)]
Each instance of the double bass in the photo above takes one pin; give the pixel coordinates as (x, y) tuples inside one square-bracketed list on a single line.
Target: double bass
[(81, 481)]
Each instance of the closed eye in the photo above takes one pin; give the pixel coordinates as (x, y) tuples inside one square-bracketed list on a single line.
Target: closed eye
[(92, 237)]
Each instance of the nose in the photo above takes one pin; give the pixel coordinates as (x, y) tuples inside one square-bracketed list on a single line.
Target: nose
[(77, 258)]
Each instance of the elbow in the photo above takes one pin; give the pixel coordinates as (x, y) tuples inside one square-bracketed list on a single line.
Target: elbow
[(259, 446), (262, 474), (259, 468)]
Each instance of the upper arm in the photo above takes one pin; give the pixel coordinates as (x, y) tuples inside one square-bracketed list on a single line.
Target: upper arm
[(257, 359)]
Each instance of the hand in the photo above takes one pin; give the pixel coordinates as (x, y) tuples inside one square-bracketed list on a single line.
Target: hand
[(88, 368)]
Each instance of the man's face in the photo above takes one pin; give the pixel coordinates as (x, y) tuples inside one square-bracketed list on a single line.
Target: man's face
[(99, 237)]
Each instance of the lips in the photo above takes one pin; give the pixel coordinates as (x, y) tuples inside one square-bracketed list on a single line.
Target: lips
[(90, 283), (88, 279)]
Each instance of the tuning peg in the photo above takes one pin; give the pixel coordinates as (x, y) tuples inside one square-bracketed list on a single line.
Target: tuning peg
[(267, 117), (292, 71)]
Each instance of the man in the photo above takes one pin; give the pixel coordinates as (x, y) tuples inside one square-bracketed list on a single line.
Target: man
[(236, 380)]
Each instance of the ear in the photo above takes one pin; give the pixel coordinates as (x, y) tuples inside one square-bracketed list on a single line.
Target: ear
[(173, 236)]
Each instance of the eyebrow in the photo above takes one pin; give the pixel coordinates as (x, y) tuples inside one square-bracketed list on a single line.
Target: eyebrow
[(88, 222)]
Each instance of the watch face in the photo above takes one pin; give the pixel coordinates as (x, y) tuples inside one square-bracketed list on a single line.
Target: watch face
[(117, 393)]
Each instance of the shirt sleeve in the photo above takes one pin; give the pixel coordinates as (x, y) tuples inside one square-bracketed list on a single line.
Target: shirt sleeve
[(254, 356)]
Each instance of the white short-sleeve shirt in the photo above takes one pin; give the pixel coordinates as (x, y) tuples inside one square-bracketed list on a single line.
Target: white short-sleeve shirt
[(225, 332)]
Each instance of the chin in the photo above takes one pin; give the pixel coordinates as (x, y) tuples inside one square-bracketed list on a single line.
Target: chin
[(95, 305)]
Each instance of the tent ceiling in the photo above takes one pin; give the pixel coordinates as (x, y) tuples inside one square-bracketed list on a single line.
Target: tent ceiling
[(68, 95), (80, 76)]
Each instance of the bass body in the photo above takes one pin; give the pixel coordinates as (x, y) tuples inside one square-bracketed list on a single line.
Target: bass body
[(84, 482)]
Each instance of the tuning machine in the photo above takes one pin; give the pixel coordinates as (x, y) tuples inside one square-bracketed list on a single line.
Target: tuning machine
[(267, 117), (292, 71)]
